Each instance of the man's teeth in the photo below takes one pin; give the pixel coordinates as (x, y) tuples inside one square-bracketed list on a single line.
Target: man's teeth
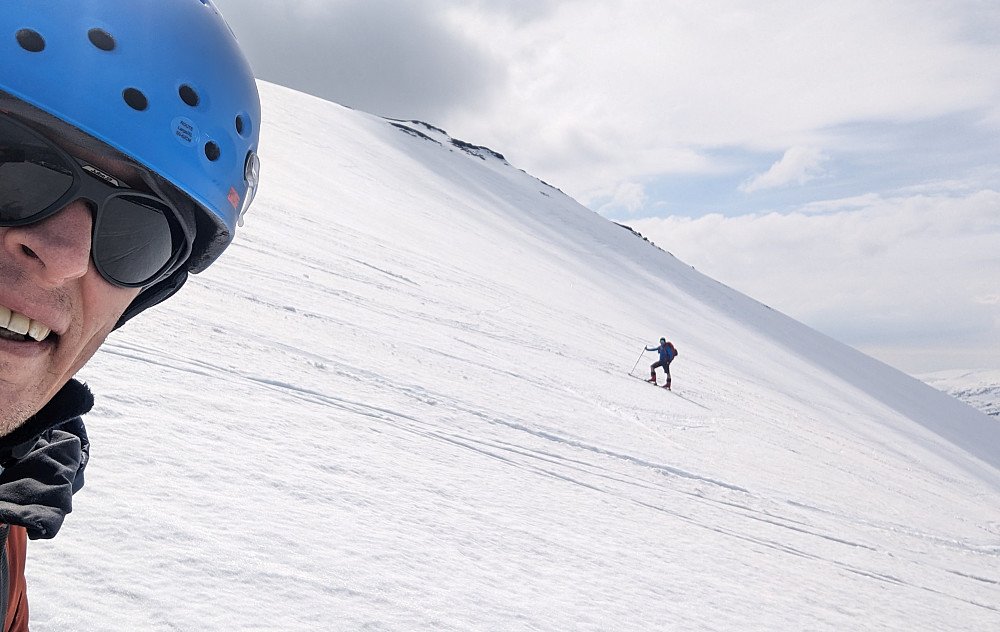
[(38, 331), (21, 324)]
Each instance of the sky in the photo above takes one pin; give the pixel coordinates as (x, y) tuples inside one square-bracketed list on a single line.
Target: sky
[(839, 162)]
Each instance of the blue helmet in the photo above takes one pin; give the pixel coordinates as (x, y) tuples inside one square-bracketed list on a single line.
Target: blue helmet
[(161, 82)]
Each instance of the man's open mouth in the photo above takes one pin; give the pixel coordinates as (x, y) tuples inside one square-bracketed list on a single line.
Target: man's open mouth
[(20, 328)]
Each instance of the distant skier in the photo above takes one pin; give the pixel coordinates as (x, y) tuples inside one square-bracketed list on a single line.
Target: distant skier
[(667, 353)]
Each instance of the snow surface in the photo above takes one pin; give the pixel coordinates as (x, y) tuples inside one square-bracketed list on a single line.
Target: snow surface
[(402, 401)]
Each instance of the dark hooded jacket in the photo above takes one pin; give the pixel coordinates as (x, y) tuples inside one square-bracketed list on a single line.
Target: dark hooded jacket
[(43, 462)]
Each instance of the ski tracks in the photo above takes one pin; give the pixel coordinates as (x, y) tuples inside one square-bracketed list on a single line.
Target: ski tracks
[(727, 509)]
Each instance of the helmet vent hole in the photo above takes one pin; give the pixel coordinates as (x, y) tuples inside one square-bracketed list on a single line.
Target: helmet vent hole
[(212, 151), (31, 40), (101, 39), (135, 99), (189, 96), (239, 124)]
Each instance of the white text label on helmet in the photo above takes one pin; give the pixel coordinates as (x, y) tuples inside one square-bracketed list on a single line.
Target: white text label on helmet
[(185, 131)]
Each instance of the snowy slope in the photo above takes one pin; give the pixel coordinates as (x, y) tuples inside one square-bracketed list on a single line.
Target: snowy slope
[(402, 402), (978, 388)]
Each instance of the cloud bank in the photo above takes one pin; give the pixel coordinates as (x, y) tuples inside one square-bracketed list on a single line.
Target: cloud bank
[(590, 94)]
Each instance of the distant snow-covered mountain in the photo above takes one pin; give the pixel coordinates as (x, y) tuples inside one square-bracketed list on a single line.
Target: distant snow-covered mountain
[(980, 389)]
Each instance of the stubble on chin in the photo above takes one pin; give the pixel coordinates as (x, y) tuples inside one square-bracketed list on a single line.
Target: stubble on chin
[(18, 401), (13, 414)]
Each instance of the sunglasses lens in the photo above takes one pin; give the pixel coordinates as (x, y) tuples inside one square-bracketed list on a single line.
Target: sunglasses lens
[(134, 240), (134, 236), (32, 175)]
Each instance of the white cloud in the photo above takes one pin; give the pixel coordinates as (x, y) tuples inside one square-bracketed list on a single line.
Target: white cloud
[(798, 166), (647, 82), (397, 59), (638, 74), (629, 197), (587, 94)]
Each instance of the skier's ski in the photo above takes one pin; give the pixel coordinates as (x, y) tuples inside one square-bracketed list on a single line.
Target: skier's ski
[(664, 387), (669, 390)]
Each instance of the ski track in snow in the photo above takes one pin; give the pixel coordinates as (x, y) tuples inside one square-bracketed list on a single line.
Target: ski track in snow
[(580, 471)]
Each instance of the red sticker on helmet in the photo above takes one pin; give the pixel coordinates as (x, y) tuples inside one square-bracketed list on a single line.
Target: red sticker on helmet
[(234, 198)]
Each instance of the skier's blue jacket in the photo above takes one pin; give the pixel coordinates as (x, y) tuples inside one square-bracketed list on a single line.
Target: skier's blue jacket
[(666, 351)]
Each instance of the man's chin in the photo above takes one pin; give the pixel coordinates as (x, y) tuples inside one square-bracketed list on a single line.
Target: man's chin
[(11, 420), (17, 405)]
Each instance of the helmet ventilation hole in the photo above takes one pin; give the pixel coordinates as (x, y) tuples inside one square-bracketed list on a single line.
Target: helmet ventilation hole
[(189, 96), (239, 124), (212, 151), (135, 99), (31, 40), (101, 39)]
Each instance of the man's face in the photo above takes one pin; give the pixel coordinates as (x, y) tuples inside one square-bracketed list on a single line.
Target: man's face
[(47, 277)]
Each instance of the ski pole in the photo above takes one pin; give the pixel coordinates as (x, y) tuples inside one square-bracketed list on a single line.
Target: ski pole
[(637, 360)]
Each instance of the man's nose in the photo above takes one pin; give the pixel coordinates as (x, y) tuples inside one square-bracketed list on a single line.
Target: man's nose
[(56, 249)]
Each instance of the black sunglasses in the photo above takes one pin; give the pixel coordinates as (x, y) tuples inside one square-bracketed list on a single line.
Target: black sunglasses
[(136, 239)]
